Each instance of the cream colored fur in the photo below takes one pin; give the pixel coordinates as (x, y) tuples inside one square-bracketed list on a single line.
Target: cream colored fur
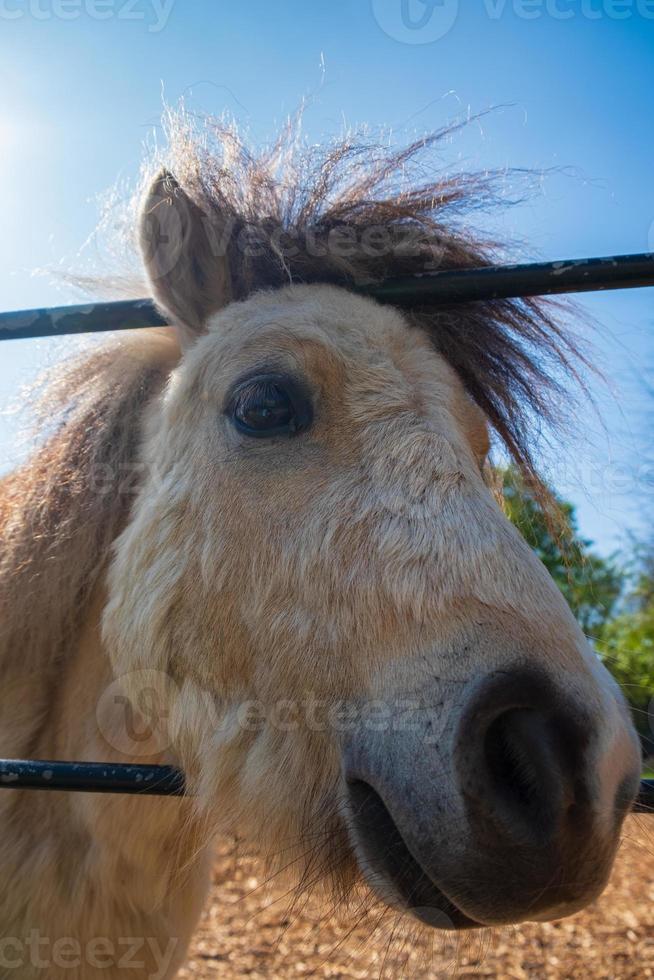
[(341, 566)]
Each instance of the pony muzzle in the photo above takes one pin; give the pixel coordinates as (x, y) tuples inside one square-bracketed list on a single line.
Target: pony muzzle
[(506, 819)]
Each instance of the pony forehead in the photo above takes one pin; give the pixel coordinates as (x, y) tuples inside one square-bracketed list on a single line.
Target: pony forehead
[(311, 310), (323, 329)]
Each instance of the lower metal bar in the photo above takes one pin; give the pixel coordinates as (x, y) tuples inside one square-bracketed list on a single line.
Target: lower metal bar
[(91, 777), (645, 799), (96, 777)]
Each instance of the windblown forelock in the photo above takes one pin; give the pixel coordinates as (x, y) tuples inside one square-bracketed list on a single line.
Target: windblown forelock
[(293, 199)]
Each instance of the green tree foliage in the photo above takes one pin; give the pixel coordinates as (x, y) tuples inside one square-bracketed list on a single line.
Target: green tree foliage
[(626, 644), (591, 584)]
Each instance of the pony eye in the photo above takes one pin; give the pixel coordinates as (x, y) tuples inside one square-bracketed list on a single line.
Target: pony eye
[(269, 405)]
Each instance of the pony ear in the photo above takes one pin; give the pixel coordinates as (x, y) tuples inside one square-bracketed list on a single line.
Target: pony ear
[(188, 274)]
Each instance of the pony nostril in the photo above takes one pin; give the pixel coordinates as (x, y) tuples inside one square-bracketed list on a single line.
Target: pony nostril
[(529, 750), (525, 775), (510, 758), (527, 770)]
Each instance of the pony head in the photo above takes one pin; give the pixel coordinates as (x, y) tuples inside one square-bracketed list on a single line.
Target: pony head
[(366, 669)]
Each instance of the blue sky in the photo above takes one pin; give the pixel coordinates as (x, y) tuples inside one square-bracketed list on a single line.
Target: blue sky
[(572, 82)]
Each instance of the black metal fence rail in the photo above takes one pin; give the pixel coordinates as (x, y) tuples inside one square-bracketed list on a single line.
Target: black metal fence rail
[(512, 281), (433, 289), (91, 777), (98, 777)]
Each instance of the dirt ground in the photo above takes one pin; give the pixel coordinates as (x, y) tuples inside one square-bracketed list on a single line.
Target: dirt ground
[(250, 929)]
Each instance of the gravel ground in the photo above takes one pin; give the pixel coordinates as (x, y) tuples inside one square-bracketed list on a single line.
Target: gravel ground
[(249, 929)]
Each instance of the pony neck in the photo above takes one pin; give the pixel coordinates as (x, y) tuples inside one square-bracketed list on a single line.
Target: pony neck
[(157, 840)]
